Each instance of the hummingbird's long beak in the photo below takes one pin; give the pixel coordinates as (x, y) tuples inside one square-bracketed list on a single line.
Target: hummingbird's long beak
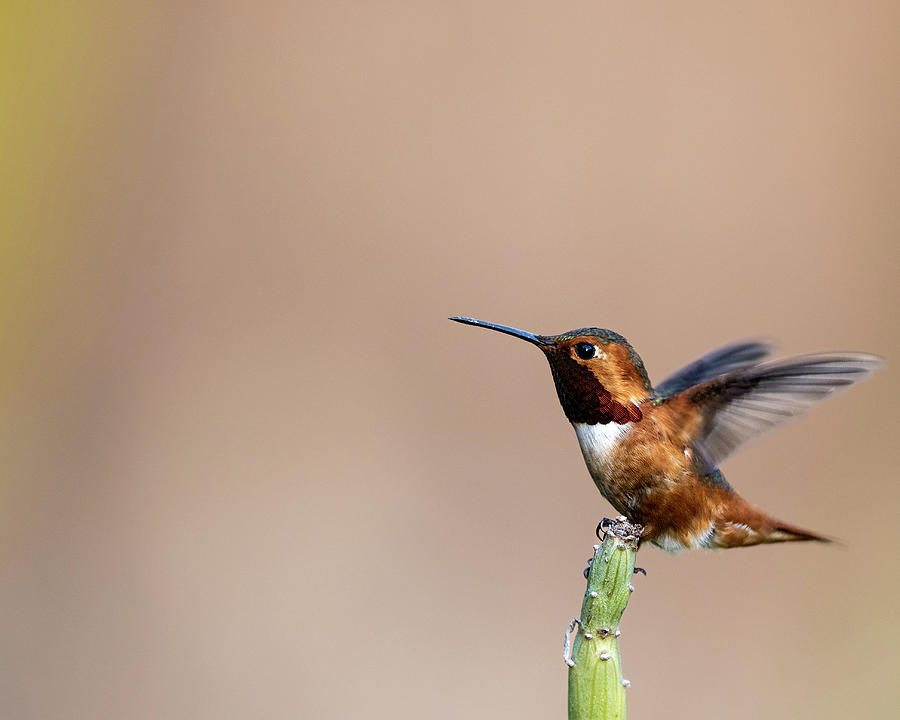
[(538, 340)]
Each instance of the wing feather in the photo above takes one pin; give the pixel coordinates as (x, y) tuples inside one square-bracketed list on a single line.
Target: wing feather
[(746, 403), (726, 359)]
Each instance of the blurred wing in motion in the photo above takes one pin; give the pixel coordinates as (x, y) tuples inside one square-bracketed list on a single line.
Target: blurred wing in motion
[(726, 359), (744, 404)]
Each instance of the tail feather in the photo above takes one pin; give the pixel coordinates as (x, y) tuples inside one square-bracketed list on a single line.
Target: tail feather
[(753, 527), (782, 532)]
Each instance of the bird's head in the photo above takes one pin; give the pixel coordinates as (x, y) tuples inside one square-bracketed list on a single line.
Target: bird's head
[(599, 377)]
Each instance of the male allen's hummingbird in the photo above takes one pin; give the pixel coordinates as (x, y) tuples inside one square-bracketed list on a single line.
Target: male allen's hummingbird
[(654, 453)]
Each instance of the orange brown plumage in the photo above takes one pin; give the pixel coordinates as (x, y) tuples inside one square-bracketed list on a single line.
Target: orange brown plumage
[(655, 453)]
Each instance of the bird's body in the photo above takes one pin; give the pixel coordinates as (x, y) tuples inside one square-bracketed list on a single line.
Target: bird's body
[(649, 474), (654, 453)]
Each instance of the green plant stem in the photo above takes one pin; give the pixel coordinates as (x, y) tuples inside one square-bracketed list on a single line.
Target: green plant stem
[(596, 686)]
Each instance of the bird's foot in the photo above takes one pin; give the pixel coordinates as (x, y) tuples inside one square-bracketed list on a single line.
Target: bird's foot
[(640, 570)]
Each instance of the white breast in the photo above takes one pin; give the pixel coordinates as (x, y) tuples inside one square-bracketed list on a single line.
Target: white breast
[(597, 445)]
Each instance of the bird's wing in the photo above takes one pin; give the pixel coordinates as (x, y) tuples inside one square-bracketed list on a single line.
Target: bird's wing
[(746, 403), (726, 359)]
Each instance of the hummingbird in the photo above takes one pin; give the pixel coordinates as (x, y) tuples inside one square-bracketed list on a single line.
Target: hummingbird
[(655, 452)]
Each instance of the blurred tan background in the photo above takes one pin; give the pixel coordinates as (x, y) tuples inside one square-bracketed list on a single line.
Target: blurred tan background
[(250, 470)]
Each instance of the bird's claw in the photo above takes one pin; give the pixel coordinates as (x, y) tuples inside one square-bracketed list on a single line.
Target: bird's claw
[(640, 570), (602, 527)]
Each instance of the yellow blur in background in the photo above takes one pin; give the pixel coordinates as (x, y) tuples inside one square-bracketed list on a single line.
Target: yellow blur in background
[(248, 467)]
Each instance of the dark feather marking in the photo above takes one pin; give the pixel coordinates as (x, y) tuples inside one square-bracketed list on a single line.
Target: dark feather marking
[(716, 480), (583, 397)]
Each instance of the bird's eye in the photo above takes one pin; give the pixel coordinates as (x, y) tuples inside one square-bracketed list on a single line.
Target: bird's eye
[(585, 350)]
